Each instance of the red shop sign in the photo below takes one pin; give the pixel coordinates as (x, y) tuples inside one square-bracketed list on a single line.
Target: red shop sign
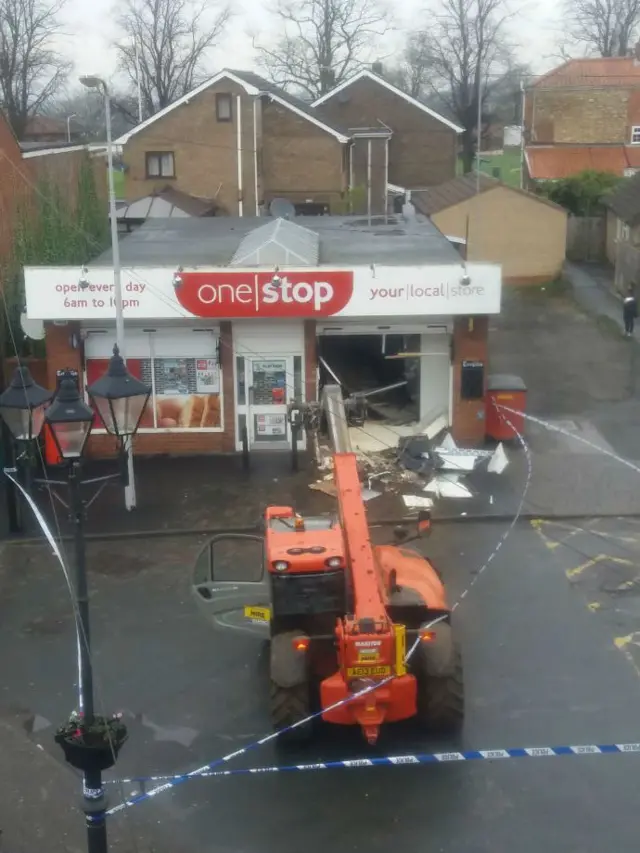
[(310, 293)]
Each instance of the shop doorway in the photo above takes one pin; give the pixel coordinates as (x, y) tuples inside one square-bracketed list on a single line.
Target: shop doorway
[(414, 368), (265, 385)]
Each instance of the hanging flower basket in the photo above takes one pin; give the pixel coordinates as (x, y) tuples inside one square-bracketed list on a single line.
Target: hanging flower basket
[(91, 747)]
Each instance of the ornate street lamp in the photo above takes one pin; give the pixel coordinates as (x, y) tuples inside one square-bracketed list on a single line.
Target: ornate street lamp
[(70, 419), (23, 404), (90, 742), (120, 399)]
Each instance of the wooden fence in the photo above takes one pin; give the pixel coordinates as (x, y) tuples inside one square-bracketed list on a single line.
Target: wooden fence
[(586, 238)]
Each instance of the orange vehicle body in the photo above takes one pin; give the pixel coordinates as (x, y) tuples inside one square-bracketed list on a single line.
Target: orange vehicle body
[(367, 648)]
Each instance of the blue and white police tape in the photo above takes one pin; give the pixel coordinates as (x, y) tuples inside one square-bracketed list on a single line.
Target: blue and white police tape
[(209, 769), (250, 747), (396, 760)]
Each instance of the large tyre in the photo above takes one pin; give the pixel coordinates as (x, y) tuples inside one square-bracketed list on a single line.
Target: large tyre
[(439, 673), (289, 705)]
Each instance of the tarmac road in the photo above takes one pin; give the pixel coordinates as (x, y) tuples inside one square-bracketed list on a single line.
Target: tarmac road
[(542, 668)]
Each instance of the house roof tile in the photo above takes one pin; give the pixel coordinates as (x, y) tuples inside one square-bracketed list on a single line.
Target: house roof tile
[(554, 162), (443, 196), (625, 200), (612, 71)]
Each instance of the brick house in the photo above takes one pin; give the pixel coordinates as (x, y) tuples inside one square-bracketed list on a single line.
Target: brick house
[(623, 233), (585, 114), (241, 142), (422, 145)]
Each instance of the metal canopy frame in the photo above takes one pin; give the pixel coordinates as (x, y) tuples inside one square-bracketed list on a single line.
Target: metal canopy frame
[(279, 243)]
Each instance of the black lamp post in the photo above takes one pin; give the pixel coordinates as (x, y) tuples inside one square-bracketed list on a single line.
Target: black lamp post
[(120, 399), (22, 407), (90, 743)]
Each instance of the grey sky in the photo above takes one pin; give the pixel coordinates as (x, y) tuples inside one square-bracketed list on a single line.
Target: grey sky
[(90, 35)]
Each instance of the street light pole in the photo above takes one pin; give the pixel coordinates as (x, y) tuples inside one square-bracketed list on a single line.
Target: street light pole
[(479, 125), (100, 85), (92, 787)]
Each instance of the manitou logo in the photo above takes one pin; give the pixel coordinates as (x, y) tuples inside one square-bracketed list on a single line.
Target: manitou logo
[(310, 293)]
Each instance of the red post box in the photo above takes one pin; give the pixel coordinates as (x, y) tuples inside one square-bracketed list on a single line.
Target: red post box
[(510, 392)]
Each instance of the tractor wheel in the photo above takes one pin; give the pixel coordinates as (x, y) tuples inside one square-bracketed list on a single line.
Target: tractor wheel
[(439, 673), (289, 705)]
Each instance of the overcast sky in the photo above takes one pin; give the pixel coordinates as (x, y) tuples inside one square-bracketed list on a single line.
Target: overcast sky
[(90, 35)]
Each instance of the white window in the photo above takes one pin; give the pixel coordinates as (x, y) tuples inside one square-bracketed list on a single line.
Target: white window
[(635, 135), (160, 164)]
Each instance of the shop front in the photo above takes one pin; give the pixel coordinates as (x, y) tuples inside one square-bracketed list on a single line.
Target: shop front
[(225, 350)]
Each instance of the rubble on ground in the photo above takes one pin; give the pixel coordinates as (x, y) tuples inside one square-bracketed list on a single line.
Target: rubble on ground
[(421, 468)]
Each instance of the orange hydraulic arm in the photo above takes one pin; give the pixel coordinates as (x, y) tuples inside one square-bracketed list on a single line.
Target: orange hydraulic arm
[(368, 595), (370, 648)]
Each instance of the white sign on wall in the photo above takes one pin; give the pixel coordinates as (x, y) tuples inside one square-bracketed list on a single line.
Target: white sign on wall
[(54, 293)]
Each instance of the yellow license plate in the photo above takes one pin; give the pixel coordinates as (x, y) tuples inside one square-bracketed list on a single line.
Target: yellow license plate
[(367, 671), (257, 614)]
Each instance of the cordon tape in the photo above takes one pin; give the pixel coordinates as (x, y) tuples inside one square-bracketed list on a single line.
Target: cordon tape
[(397, 760), (208, 769)]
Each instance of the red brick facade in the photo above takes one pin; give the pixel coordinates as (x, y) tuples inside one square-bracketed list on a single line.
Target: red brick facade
[(470, 343), (62, 355)]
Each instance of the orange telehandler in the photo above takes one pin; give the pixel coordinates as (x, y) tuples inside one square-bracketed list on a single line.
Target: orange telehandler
[(339, 612)]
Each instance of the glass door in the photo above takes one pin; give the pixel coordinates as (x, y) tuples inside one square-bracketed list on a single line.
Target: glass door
[(270, 388), (264, 387)]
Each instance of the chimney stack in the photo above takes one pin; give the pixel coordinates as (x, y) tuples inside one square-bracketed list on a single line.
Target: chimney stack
[(378, 69)]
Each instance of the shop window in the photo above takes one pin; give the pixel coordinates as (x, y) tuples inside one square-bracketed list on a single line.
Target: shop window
[(186, 392), (160, 164), (224, 107)]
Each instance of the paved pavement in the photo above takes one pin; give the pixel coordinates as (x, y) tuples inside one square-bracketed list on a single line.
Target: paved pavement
[(541, 669)]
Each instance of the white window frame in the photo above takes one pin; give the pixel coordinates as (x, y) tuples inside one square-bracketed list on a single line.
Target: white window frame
[(159, 156), (635, 134)]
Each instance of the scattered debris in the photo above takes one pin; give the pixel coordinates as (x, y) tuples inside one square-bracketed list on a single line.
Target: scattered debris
[(417, 502)]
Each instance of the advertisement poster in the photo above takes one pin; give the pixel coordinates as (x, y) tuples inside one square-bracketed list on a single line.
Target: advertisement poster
[(187, 393), (271, 425), (207, 376)]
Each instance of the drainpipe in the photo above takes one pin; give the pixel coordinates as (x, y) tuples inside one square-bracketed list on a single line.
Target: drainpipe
[(255, 152), (369, 180), (239, 148), (522, 124), (385, 193)]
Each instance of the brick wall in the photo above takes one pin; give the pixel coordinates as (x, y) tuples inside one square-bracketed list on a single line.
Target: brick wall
[(310, 360), (62, 168), (205, 151), (579, 116), (470, 343), (299, 160), (523, 234), (422, 151)]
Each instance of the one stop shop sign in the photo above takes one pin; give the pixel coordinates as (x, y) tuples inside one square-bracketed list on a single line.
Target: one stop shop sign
[(317, 293)]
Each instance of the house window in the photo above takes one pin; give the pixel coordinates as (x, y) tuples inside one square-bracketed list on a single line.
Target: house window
[(635, 135), (224, 108), (160, 164)]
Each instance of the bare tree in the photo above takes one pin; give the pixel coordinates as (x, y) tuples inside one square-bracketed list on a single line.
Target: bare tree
[(170, 42), (323, 42), (88, 115), (412, 73), (463, 54), (31, 69), (609, 27)]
